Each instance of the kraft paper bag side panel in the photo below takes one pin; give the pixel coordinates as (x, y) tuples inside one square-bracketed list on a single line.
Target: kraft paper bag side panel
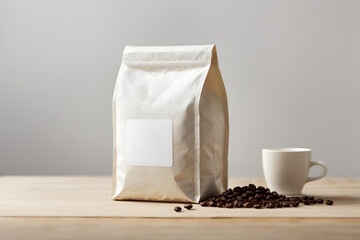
[(170, 125), (214, 110)]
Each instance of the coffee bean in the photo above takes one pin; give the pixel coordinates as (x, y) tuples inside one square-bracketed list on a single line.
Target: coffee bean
[(230, 205), (295, 204), (252, 186), (286, 204), (248, 205), (188, 207), (204, 203), (237, 189), (306, 202), (250, 193), (177, 209), (257, 206), (329, 202), (320, 201), (270, 205), (244, 195), (220, 204), (212, 204), (275, 194)]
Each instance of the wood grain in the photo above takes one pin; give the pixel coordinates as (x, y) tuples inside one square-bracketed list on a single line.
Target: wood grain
[(90, 197), (160, 228), (81, 208)]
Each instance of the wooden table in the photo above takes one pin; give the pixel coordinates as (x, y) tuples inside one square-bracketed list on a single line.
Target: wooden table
[(81, 208)]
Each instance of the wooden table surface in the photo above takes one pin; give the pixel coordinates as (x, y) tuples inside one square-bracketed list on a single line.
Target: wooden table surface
[(81, 208)]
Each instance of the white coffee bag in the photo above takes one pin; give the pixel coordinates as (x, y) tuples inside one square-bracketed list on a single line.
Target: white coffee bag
[(171, 125)]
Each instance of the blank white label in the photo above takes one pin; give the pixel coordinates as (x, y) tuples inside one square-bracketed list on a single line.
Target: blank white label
[(149, 142)]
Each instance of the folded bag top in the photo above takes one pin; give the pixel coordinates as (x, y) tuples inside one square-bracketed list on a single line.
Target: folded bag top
[(171, 127)]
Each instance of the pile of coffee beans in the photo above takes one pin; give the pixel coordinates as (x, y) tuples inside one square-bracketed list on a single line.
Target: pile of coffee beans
[(257, 197)]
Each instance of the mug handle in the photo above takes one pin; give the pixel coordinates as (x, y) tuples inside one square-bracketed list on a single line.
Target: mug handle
[(321, 164)]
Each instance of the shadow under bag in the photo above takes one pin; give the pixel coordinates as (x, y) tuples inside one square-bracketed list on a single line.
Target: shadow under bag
[(171, 126)]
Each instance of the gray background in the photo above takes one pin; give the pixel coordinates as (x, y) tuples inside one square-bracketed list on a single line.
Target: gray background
[(291, 68)]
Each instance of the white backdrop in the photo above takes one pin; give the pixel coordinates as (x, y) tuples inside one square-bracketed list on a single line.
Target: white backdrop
[(291, 69)]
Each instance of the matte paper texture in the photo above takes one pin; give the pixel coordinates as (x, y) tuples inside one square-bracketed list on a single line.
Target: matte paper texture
[(157, 87)]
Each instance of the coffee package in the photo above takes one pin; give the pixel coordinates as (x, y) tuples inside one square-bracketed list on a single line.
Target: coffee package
[(170, 121)]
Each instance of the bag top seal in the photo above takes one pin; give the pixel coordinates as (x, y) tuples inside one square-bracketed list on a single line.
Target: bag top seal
[(167, 54)]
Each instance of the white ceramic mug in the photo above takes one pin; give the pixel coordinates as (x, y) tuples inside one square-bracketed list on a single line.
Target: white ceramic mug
[(286, 169)]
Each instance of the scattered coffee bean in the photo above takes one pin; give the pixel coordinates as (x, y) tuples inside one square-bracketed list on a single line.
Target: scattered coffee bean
[(188, 207), (177, 209), (320, 201), (329, 202), (295, 204)]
